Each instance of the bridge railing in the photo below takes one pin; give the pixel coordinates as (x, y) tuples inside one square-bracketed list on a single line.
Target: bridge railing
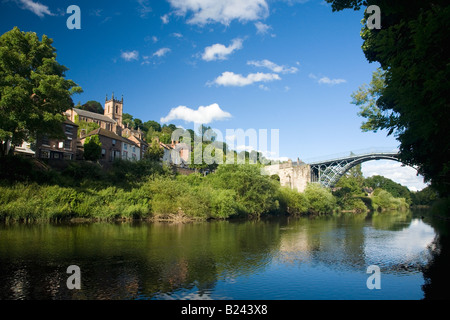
[(350, 154)]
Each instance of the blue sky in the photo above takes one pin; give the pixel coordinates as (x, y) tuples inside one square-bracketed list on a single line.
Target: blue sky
[(289, 65)]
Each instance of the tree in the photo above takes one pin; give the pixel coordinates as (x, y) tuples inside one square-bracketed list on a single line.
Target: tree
[(127, 120), (413, 103), (154, 152), (33, 90), (85, 127), (394, 188), (152, 124), (92, 106), (92, 148)]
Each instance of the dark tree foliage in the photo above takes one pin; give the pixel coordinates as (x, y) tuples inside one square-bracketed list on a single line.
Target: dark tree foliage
[(414, 102), (92, 148), (92, 106)]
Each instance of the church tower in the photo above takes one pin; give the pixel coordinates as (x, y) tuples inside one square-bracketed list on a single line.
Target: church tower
[(114, 109)]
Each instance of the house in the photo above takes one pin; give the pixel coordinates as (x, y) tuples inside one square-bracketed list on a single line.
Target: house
[(66, 149), (130, 150), (114, 146), (25, 150), (132, 143), (176, 153), (142, 144)]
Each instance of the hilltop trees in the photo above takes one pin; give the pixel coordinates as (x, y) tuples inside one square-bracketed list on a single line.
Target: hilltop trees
[(33, 90), (92, 106), (409, 95)]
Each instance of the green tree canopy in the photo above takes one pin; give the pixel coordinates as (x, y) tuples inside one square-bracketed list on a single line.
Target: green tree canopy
[(413, 104), (154, 151), (33, 90), (394, 188), (92, 106), (92, 148)]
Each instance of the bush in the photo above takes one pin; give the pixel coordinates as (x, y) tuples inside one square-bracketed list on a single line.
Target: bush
[(293, 202), (383, 200), (255, 192), (320, 199)]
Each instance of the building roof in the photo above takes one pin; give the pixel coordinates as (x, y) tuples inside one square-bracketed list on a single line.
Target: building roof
[(67, 121), (109, 134), (94, 115), (143, 142)]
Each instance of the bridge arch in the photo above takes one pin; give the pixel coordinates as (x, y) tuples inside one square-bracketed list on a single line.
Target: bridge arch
[(328, 173)]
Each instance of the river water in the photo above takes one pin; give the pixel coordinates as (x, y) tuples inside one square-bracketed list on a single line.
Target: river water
[(269, 259)]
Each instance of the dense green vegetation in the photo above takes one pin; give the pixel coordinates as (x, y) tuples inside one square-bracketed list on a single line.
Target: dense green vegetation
[(407, 96), (33, 90), (31, 190)]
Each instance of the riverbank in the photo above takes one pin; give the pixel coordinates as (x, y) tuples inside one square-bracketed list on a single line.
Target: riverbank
[(146, 190)]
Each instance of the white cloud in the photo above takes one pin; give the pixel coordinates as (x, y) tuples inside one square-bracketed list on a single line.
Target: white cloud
[(37, 8), (326, 80), (162, 52), (165, 19), (404, 175), (220, 52), (237, 80), (262, 28), (203, 115), (272, 66), (144, 8), (177, 35), (130, 55), (221, 11)]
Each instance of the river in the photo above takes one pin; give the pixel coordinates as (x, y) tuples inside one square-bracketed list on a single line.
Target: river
[(320, 258)]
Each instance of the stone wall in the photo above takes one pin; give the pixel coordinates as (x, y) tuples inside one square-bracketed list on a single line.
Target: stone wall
[(295, 176)]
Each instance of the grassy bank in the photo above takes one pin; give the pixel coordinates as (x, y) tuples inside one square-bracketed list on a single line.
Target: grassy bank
[(31, 191)]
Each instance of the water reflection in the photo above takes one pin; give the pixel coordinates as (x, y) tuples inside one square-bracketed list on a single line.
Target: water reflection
[(286, 258)]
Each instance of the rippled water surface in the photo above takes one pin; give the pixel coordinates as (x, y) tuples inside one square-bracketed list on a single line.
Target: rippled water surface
[(289, 259)]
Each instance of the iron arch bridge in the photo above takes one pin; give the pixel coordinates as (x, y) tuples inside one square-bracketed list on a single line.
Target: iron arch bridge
[(328, 172)]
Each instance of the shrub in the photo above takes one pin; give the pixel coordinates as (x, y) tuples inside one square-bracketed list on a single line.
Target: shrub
[(255, 192), (321, 200), (293, 202)]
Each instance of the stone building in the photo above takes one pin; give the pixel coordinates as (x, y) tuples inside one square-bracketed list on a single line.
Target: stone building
[(295, 175), (111, 120)]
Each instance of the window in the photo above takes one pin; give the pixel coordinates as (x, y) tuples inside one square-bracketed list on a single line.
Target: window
[(125, 154), (45, 141), (68, 144), (103, 153), (117, 109), (45, 154), (68, 156), (134, 149), (113, 142), (69, 129), (125, 146)]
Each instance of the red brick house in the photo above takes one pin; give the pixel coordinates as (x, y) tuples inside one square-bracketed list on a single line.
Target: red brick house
[(66, 149)]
